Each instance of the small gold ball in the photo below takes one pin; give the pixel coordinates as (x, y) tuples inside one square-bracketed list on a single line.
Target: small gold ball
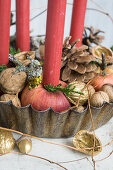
[(7, 142), (24, 144)]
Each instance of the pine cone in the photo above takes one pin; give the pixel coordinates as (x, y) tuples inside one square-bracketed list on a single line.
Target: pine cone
[(75, 63), (92, 37)]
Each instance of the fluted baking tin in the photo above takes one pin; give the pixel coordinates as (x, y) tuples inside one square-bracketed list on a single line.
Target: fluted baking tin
[(49, 123)]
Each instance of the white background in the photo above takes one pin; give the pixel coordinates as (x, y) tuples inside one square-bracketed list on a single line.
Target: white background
[(105, 133), (93, 18)]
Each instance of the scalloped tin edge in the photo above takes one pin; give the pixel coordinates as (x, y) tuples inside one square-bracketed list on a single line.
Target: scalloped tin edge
[(49, 123)]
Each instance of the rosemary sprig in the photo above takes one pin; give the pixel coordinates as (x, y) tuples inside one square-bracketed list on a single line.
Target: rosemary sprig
[(3, 67), (13, 51), (95, 62), (65, 90)]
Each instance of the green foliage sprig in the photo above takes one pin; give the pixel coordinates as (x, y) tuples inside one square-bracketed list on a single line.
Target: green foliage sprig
[(95, 62), (3, 67), (65, 90), (13, 51), (111, 47)]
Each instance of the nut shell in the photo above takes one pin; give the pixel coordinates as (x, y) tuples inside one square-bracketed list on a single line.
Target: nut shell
[(22, 57), (85, 139), (91, 90), (12, 83), (14, 98), (24, 144), (98, 99), (73, 96), (109, 90), (7, 142), (98, 50), (79, 109)]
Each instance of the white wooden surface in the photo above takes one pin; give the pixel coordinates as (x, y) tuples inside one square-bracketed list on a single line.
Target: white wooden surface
[(105, 133), (59, 154)]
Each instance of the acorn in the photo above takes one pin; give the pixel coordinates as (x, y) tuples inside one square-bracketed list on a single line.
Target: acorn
[(24, 144), (7, 142)]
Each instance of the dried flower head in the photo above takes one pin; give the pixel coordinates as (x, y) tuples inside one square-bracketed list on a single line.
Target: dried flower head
[(33, 70)]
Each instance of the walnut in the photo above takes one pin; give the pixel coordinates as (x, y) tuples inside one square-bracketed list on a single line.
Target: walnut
[(22, 57), (14, 98), (12, 83), (91, 90), (85, 139), (80, 88), (109, 90), (98, 99), (97, 53), (79, 109)]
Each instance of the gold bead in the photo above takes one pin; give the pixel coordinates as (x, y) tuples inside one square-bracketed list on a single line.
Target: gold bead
[(24, 144), (7, 142)]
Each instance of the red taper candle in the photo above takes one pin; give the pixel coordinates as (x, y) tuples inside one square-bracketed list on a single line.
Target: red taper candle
[(5, 12), (22, 25), (77, 22), (54, 41)]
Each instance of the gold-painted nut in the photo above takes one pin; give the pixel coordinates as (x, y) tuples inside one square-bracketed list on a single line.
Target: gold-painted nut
[(24, 144), (98, 50), (84, 140), (7, 142), (74, 97)]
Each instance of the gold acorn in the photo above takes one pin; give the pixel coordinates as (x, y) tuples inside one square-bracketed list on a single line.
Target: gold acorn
[(7, 142), (24, 144)]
